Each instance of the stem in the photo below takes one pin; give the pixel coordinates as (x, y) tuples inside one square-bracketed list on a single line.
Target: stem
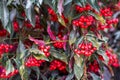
[(56, 41), (85, 70)]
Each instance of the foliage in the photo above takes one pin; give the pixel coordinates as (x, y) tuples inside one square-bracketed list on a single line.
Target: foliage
[(56, 39)]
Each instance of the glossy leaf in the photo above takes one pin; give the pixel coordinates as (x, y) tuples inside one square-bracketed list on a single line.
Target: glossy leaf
[(21, 50), (79, 41), (23, 72), (30, 14), (9, 67), (78, 60), (36, 41), (38, 54), (9, 2), (78, 71), (95, 77), (13, 14), (67, 2), (40, 57), (61, 20), (52, 36), (72, 37), (69, 77), (83, 2), (59, 55), (4, 13), (94, 4), (98, 17), (9, 28), (29, 3), (40, 2), (64, 38), (36, 69), (60, 7), (94, 41)]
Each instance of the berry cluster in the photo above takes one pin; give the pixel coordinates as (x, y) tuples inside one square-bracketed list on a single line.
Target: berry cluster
[(86, 49), (102, 27), (106, 12), (45, 49), (23, 14), (94, 67), (3, 33), (3, 73), (112, 59), (57, 64), (37, 24), (27, 24), (108, 24), (84, 21), (57, 43), (31, 61), (81, 9), (15, 26), (112, 21), (53, 16), (5, 48)]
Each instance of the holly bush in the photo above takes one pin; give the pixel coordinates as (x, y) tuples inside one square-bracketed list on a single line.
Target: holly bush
[(56, 39)]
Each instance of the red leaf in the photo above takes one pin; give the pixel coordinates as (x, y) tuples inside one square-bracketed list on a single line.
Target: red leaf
[(52, 36), (60, 7), (64, 38), (38, 42)]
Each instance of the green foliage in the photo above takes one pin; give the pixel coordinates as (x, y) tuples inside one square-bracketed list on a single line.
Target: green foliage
[(25, 18)]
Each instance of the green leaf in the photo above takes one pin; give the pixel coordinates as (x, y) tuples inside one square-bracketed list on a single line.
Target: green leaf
[(40, 56), (105, 57), (36, 69), (79, 40), (36, 51), (98, 17), (94, 41), (12, 14), (83, 2), (95, 77), (18, 62), (78, 71), (4, 13), (70, 77), (61, 20), (30, 13), (72, 37), (23, 72), (21, 50), (39, 74), (29, 3), (78, 60), (67, 2), (9, 28), (40, 2), (68, 12), (59, 55), (9, 67), (77, 2), (9, 2), (94, 4)]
